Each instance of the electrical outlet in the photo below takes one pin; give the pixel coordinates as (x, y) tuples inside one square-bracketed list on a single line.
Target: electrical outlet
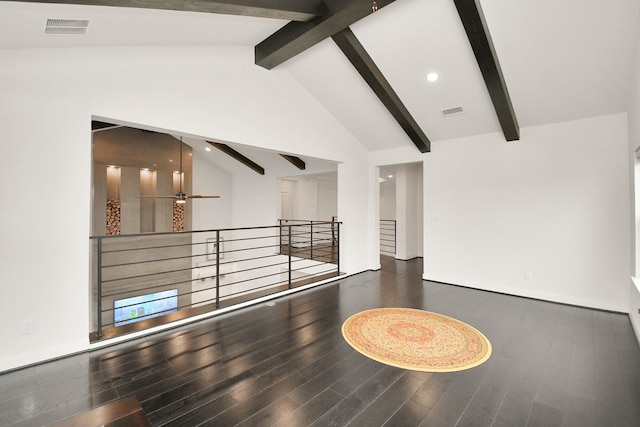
[(528, 275), (27, 327)]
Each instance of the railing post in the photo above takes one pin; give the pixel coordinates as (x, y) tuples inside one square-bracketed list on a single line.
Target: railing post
[(395, 236), (338, 247), (289, 256), (280, 242), (99, 267), (311, 243), (217, 268)]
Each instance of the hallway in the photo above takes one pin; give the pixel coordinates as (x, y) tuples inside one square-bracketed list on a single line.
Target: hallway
[(288, 365)]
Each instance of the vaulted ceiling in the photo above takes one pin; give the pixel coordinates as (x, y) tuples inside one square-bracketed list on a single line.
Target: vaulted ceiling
[(559, 60)]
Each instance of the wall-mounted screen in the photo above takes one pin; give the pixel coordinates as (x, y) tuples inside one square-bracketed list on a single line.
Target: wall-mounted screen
[(134, 309)]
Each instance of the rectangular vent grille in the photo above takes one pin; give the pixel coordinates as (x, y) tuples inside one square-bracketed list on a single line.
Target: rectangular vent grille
[(452, 111), (66, 26)]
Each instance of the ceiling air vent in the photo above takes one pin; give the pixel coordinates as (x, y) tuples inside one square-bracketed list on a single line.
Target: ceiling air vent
[(66, 26), (453, 111)]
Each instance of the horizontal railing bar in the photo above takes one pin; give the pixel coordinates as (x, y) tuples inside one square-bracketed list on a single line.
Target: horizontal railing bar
[(154, 260), (250, 249), (255, 287), (252, 278), (149, 288), (132, 305), (177, 271), (237, 261), (173, 233), (269, 275), (193, 256), (186, 244), (148, 275), (151, 247), (227, 240)]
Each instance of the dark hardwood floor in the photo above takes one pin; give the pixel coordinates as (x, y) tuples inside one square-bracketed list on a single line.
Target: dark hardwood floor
[(288, 365)]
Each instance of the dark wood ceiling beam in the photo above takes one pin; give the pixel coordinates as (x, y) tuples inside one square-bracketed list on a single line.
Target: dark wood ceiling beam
[(289, 10), (370, 72), (296, 37), (295, 161), (239, 157), (478, 33)]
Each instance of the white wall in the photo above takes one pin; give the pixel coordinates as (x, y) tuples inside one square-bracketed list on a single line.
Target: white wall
[(634, 182), (48, 99), (388, 199), (327, 200), (208, 179), (312, 197), (555, 204)]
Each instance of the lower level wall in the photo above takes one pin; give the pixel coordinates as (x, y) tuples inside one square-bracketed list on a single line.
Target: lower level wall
[(634, 307)]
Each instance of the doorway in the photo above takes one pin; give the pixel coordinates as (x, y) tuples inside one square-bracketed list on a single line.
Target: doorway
[(401, 211)]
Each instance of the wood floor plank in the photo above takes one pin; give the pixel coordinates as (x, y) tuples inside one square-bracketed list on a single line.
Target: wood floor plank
[(517, 404), (68, 410), (433, 389), (388, 403), (109, 413), (483, 406), (409, 414), (313, 409), (452, 404), (579, 412), (206, 410), (259, 401), (544, 416), (324, 380), (270, 415), (352, 405), (288, 365)]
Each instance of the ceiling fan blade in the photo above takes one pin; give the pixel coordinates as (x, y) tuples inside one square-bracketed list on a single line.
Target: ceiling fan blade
[(156, 197), (203, 197)]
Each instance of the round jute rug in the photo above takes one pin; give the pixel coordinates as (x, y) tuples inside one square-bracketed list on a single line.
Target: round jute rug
[(416, 339)]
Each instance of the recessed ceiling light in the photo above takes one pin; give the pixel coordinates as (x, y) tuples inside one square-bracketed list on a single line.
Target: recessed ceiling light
[(390, 176), (207, 148), (432, 77)]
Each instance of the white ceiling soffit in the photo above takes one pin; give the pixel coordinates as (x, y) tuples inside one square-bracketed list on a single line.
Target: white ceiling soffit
[(270, 160), (22, 26)]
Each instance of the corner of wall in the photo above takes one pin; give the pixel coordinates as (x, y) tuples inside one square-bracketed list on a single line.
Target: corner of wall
[(634, 307)]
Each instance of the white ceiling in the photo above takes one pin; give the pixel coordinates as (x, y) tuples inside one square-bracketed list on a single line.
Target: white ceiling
[(562, 60), (273, 164)]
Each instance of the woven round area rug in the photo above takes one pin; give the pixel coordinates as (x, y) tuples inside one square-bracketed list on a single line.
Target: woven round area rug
[(416, 339)]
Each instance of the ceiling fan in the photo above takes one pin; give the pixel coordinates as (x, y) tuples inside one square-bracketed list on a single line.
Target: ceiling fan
[(180, 197)]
